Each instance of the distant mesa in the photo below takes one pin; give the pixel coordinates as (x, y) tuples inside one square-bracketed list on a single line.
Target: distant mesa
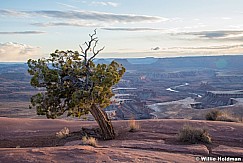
[(101, 61), (124, 62), (147, 60), (230, 62), (211, 62), (196, 62)]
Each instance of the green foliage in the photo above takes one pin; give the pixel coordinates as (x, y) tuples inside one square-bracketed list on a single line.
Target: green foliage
[(194, 135), (72, 83)]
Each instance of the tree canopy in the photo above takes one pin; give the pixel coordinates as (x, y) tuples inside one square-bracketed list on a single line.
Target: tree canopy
[(73, 83)]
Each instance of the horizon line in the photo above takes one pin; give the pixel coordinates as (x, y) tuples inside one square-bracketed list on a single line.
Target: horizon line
[(231, 55)]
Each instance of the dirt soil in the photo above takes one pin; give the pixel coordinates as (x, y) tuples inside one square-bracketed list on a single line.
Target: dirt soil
[(34, 140)]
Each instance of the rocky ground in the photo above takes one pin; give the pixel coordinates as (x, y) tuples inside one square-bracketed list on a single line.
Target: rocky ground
[(34, 140)]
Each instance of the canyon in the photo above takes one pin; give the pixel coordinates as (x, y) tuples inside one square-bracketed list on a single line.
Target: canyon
[(163, 87)]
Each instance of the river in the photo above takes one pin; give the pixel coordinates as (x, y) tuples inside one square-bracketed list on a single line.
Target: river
[(183, 103), (173, 89)]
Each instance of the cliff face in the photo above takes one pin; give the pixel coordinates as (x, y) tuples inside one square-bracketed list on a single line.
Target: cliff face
[(219, 98), (133, 110)]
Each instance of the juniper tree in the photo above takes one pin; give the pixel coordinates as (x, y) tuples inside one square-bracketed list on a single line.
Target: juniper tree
[(75, 85)]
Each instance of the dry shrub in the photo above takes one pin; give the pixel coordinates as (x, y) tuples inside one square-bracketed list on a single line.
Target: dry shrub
[(216, 115), (194, 135), (133, 125), (213, 115), (89, 141), (63, 133), (241, 119), (227, 117)]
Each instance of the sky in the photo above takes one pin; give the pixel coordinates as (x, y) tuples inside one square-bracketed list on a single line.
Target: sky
[(127, 28)]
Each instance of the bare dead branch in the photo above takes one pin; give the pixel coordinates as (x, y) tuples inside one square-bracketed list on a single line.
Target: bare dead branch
[(93, 34), (96, 41), (82, 51), (82, 55), (100, 49), (96, 53), (88, 44)]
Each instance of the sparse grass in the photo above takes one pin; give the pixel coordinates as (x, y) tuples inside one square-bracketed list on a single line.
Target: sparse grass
[(241, 119), (133, 125), (217, 115), (62, 133), (89, 141), (194, 135)]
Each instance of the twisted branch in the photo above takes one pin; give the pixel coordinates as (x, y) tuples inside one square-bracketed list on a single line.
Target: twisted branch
[(88, 47)]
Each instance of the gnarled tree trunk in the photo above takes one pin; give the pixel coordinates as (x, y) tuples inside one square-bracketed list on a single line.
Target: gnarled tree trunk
[(103, 121)]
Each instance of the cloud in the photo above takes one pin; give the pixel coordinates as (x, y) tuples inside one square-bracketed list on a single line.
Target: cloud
[(12, 13), (233, 35), (156, 48), (221, 47), (205, 50), (82, 15), (226, 18), (131, 29), (15, 52), (75, 24), (112, 4), (67, 5), (232, 49), (22, 32)]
